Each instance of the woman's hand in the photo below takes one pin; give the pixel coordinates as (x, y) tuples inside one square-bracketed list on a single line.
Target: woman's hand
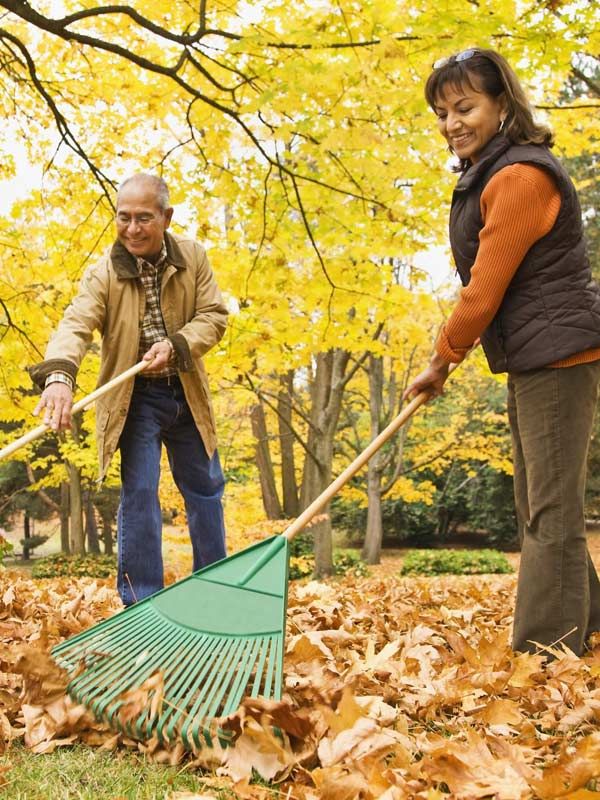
[(430, 380)]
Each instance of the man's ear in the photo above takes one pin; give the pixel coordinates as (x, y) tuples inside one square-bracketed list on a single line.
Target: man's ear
[(168, 215)]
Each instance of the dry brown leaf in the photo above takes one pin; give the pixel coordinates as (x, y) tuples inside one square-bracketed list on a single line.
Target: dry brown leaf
[(526, 670), (470, 769), (336, 783), (144, 700), (374, 668), (346, 714), (577, 765), (258, 749), (500, 711)]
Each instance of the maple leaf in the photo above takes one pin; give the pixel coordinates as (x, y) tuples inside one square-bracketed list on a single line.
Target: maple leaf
[(526, 670), (576, 766), (471, 770), (258, 748)]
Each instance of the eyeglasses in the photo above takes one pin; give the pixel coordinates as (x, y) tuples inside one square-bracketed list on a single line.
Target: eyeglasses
[(143, 219), (464, 55)]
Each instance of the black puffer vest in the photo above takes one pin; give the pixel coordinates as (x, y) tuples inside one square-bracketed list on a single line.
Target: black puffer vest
[(551, 309)]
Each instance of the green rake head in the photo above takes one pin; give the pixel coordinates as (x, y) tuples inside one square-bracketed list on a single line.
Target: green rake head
[(215, 637)]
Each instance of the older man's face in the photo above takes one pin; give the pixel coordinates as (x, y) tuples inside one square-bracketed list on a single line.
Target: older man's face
[(141, 224)]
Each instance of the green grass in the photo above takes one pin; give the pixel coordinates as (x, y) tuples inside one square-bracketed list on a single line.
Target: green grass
[(86, 773)]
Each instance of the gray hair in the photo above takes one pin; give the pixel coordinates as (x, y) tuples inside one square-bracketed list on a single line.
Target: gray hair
[(158, 184)]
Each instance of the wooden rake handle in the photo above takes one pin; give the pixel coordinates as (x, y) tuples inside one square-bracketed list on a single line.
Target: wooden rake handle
[(300, 522), (80, 405)]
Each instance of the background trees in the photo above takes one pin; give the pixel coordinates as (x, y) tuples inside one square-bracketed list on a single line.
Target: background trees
[(299, 148)]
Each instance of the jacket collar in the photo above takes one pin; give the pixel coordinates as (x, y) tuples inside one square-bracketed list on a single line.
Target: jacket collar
[(498, 145), (125, 264)]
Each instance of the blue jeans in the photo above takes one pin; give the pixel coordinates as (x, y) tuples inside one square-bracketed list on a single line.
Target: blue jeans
[(159, 413)]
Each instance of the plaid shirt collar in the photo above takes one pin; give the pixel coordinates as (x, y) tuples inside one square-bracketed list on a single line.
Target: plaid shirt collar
[(144, 266)]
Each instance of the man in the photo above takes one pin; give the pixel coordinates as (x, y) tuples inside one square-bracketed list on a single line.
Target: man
[(152, 296)]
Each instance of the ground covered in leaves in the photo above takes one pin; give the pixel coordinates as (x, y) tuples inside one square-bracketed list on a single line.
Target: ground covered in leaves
[(394, 688)]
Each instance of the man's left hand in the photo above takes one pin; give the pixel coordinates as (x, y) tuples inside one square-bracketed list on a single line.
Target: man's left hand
[(160, 354)]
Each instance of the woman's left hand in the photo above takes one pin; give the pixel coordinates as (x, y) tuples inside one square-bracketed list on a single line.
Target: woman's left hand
[(431, 380)]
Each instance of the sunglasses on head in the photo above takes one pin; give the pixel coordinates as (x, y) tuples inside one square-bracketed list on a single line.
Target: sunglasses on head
[(464, 55)]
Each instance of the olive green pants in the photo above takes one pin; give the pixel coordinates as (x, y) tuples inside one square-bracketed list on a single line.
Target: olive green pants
[(551, 412)]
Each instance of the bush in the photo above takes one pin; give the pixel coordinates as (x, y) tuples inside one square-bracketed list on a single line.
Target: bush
[(455, 562), (88, 566), (344, 562), (32, 542), (301, 567), (347, 561), (302, 545), (5, 548)]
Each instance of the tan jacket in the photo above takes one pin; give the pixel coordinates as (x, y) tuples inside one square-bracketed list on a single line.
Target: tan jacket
[(111, 299)]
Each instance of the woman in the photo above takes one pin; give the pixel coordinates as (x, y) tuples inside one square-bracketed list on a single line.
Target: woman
[(517, 240)]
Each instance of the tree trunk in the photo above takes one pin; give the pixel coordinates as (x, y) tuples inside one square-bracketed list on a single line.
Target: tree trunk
[(327, 391), (76, 517), (289, 485), (76, 501), (91, 528), (65, 545), (26, 535), (371, 552), (107, 537), (268, 487)]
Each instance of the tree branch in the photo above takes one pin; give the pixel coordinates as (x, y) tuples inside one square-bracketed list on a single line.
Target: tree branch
[(61, 123), (264, 398), (57, 28), (592, 85)]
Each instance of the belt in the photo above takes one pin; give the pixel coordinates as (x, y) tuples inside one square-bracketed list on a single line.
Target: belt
[(166, 380)]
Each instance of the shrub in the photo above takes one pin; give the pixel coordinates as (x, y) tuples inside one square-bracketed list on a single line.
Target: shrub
[(5, 548), (455, 562), (61, 565), (301, 567), (347, 561), (302, 545), (32, 542), (344, 562)]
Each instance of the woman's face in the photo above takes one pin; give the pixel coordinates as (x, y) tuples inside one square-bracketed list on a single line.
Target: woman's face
[(468, 119)]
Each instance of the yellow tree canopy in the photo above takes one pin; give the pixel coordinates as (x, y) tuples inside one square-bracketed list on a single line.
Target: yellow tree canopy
[(295, 138)]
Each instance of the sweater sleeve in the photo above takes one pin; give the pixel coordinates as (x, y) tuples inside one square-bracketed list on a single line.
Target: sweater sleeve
[(519, 205)]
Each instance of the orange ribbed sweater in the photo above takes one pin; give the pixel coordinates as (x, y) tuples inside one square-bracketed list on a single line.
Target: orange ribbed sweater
[(519, 205)]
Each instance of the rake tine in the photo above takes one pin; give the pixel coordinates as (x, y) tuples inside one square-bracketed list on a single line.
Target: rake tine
[(70, 651), (222, 681), (260, 667), (243, 676), (199, 685), (175, 689), (198, 652), (266, 692), (208, 679), (157, 657), (180, 647), (119, 674), (94, 681)]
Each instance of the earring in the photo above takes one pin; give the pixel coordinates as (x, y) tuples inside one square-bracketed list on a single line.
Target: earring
[(502, 121)]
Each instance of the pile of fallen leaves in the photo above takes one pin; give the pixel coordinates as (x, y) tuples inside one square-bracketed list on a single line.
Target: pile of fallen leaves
[(394, 688)]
